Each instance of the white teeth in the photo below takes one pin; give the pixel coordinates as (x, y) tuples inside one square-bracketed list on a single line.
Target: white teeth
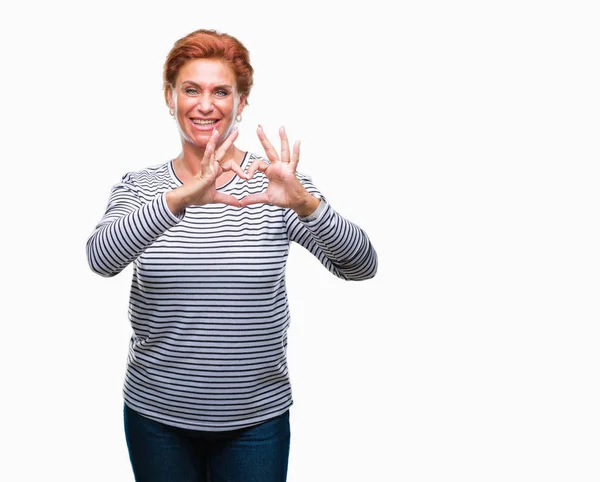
[(203, 122)]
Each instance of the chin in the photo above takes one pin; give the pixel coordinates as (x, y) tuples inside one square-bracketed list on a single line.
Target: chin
[(195, 140)]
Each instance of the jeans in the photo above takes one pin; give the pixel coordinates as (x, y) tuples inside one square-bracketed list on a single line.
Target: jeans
[(161, 453)]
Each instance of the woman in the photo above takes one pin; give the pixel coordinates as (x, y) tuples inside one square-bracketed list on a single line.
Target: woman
[(206, 388)]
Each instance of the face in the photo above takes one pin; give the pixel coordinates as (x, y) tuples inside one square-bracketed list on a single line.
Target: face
[(205, 98)]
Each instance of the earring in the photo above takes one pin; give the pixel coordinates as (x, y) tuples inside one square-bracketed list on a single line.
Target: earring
[(172, 112), (238, 118)]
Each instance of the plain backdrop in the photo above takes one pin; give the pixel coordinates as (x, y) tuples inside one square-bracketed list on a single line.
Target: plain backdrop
[(461, 136)]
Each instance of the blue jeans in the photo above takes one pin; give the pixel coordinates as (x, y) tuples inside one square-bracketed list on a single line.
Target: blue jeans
[(161, 453)]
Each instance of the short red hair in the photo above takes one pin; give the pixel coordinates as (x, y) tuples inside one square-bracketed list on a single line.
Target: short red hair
[(210, 44)]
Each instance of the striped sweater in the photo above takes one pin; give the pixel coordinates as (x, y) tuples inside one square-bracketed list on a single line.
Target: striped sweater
[(208, 303)]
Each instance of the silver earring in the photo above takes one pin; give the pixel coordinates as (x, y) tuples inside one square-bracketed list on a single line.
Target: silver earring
[(238, 118), (172, 112)]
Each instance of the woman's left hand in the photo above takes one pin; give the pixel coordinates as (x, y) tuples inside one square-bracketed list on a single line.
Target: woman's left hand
[(284, 190)]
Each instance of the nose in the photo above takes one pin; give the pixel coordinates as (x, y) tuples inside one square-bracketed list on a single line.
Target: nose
[(205, 103)]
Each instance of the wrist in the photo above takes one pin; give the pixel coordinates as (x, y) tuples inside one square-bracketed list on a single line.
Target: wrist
[(308, 206), (176, 201)]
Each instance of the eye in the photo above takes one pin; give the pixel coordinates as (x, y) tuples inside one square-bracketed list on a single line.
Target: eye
[(191, 91), (221, 93)]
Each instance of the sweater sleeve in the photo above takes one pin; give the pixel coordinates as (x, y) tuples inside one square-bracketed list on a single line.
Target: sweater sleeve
[(341, 246), (129, 225)]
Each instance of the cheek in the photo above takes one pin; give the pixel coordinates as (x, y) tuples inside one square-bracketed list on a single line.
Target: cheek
[(181, 102), (184, 105), (226, 107)]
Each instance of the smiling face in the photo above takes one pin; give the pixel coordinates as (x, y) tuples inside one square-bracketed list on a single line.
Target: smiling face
[(204, 98)]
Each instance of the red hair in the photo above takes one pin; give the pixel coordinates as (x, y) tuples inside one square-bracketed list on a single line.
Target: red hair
[(210, 44)]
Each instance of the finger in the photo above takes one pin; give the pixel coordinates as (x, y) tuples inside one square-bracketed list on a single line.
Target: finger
[(267, 146), (254, 199), (227, 143), (206, 165), (285, 145), (257, 165), (226, 199), (231, 165), (210, 147), (295, 156)]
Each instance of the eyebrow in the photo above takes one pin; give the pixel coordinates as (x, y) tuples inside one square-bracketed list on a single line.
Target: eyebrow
[(198, 85)]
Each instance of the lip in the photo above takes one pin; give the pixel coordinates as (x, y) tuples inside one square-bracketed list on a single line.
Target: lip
[(208, 127)]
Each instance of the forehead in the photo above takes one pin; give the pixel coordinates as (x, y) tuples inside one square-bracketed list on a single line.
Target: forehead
[(206, 71)]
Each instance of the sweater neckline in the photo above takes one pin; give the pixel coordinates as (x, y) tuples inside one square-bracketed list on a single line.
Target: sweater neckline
[(227, 185)]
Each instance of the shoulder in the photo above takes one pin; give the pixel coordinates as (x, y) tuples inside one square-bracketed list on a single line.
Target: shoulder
[(251, 157), (303, 177), (148, 176)]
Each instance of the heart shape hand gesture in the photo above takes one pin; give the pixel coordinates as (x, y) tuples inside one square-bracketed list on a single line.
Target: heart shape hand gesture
[(284, 189)]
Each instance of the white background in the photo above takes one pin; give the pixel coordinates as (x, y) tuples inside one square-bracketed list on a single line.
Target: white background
[(461, 136)]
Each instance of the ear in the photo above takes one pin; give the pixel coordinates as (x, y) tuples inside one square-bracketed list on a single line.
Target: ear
[(241, 105), (169, 97)]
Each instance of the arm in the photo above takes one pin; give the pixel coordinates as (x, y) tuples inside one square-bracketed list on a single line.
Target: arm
[(132, 222), (341, 246), (129, 225)]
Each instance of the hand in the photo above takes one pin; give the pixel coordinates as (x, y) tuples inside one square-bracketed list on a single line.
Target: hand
[(284, 190), (202, 189)]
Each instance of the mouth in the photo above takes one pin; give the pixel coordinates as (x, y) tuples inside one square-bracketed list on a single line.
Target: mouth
[(204, 124)]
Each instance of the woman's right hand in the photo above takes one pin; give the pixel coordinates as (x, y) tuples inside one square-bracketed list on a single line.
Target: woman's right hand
[(202, 188)]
